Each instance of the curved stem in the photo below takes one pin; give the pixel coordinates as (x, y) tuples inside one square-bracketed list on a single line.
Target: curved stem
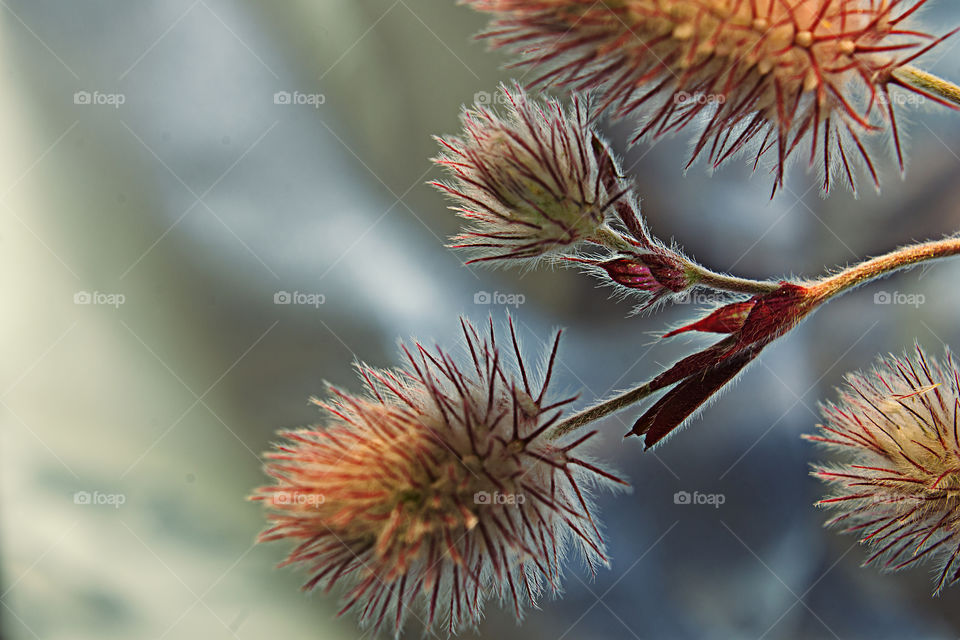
[(605, 408), (928, 83), (732, 284), (868, 270), (612, 240)]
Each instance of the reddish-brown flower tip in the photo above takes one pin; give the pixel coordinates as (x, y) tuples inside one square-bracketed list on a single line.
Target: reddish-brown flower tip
[(726, 319), (751, 325), (898, 487), (764, 76), (655, 274), (437, 488), (535, 182)]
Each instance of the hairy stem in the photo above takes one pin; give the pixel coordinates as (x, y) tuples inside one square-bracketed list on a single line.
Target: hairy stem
[(731, 284), (612, 240), (928, 83), (868, 270), (820, 291), (605, 408)]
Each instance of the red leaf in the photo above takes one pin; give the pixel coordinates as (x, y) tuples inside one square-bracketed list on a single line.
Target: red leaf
[(692, 364), (726, 319), (775, 313), (670, 411)]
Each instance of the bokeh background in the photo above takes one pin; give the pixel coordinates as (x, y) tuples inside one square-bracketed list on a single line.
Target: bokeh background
[(147, 225)]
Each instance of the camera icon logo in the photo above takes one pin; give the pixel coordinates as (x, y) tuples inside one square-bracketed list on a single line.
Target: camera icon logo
[(281, 97), (81, 497), (682, 497), (482, 497), (82, 297), (82, 97), (482, 97), (882, 297), (282, 297), (482, 297)]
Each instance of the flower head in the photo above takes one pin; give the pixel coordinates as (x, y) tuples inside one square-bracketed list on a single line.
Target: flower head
[(899, 487), (768, 74), (537, 181), (438, 487)]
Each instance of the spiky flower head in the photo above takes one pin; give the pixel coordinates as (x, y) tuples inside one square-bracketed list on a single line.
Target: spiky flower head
[(436, 488), (899, 487), (766, 73), (535, 181)]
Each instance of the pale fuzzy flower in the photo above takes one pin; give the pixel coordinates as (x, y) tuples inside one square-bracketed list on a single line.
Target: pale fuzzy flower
[(533, 181), (899, 489), (437, 488), (764, 75)]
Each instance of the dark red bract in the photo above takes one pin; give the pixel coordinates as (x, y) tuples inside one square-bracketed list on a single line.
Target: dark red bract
[(751, 325)]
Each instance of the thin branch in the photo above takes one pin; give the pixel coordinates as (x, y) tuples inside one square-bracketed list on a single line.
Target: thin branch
[(881, 266), (731, 284)]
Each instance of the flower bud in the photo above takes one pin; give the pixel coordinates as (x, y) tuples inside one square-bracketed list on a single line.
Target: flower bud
[(656, 274)]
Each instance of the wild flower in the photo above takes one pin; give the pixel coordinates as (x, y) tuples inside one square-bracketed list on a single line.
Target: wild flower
[(440, 486), (898, 487), (745, 74), (535, 182)]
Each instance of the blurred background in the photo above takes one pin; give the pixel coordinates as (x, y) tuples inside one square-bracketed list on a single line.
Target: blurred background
[(209, 208)]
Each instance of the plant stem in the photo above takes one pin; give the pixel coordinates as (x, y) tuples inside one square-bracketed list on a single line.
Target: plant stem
[(612, 240), (820, 291), (731, 284), (874, 268), (928, 83), (605, 408)]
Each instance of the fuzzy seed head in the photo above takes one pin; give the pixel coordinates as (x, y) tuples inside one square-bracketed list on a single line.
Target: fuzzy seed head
[(534, 182), (760, 74), (899, 486), (437, 488)]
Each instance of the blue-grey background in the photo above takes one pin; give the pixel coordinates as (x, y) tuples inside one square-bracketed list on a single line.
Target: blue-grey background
[(198, 199)]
